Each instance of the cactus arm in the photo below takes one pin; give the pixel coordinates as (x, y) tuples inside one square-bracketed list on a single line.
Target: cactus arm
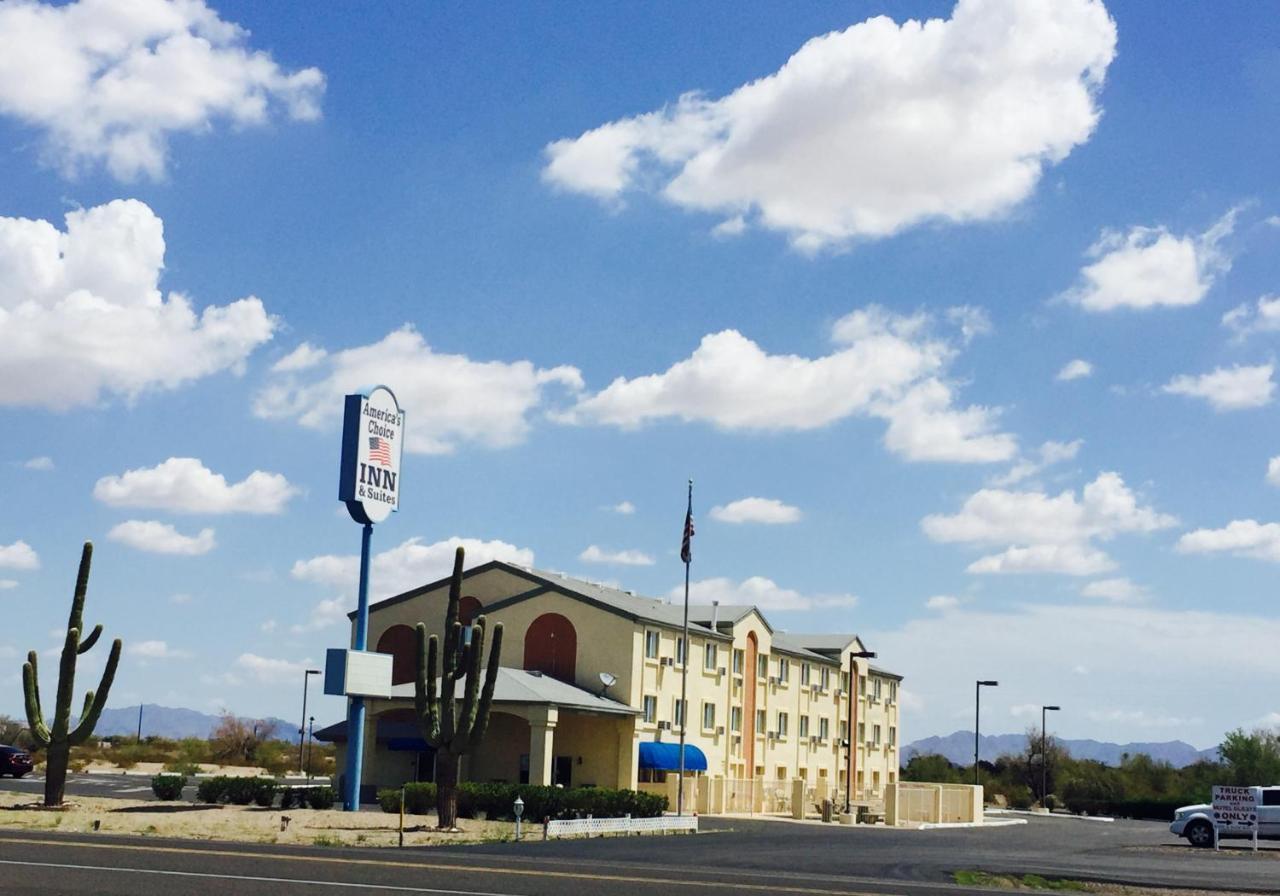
[(424, 687), (471, 687), (486, 695), (66, 685), (87, 644), (75, 619), (94, 703), (31, 690), (451, 627)]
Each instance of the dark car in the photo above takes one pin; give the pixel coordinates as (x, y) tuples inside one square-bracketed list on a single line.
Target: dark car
[(14, 761)]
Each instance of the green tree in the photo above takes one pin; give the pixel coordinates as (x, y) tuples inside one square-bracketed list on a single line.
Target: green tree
[(933, 768), (1251, 759)]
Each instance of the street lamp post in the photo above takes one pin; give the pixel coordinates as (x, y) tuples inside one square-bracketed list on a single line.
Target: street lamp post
[(977, 721), (302, 728), (849, 724), (1044, 754), (311, 739)]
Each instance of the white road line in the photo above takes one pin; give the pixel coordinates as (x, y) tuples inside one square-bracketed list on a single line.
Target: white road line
[(245, 877)]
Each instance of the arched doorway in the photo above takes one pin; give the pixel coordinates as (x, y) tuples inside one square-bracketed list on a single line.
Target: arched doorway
[(469, 609), (400, 641), (749, 704), (551, 647)]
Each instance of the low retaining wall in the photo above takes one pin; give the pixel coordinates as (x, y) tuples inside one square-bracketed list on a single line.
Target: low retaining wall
[(591, 827)]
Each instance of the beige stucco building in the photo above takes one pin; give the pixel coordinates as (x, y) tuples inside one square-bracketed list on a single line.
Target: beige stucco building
[(764, 706)]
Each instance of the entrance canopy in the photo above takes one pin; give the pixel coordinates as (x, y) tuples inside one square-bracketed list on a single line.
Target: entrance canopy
[(666, 757)]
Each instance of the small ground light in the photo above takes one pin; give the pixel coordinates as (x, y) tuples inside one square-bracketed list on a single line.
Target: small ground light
[(518, 809)]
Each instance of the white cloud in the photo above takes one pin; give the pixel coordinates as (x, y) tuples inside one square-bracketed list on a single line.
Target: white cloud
[(268, 626), (42, 464), (8, 584), (759, 592), (185, 485), (180, 599), (884, 365), (1043, 533), (626, 508), (1119, 590), (756, 510), (323, 615), (18, 555), (268, 670), (942, 602), (1074, 370), (1273, 470), (1050, 453), (155, 650), (81, 313), (868, 131), (1025, 709), (161, 538), (594, 554), (1242, 538), (447, 399), (304, 357), (1149, 267), (1228, 389), (1262, 317), (1141, 718), (407, 565), (108, 81)]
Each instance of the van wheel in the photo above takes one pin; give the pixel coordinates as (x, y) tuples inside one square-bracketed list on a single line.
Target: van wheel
[(1199, 833)]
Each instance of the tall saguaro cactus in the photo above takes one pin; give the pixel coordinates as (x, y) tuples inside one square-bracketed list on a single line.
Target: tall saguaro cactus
[(453, 729), (59, 739)]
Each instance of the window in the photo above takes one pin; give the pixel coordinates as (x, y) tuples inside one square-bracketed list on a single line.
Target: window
[(875, 689), (893, 776), (679, 651), (844, 682), (761, 722), (893, 692), (677, 714), (893, 735), (762, 666), (826, 678), (650, 709), (784, 670), (738, 659), (709, 657), (862, 732), (862, 686), (735, 718), (823, 728), (782, 724), (804, 675), (708, 715), (651, 645), (875, 735), (804, 727)]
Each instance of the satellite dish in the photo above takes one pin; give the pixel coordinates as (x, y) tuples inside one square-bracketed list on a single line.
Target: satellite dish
[(608, 679)]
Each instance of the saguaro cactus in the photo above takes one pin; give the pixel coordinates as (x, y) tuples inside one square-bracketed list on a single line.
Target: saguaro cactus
[(452, 729), (58, 740)]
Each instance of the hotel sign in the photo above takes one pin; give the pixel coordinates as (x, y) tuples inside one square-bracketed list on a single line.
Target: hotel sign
[(372, 440)]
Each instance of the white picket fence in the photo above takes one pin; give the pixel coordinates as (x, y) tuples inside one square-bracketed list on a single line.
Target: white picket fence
[(592, 827)]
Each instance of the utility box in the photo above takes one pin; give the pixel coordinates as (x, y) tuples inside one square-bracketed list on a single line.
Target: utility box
[(357, 673)]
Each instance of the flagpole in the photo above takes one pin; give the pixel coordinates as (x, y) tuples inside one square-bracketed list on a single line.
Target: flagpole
[(684, 666)]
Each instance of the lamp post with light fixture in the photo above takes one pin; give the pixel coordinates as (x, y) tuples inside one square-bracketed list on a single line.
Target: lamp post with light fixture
[(977, 721), (1044, 754), (302, 729)]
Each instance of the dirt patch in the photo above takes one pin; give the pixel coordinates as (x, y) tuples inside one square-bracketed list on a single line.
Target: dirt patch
[(243, 824)]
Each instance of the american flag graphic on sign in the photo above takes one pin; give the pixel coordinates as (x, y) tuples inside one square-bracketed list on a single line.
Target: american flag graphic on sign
[(380, 451)]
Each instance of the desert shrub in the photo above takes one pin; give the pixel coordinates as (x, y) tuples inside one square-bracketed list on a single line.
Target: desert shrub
[(241, 791), (321, 797), (264, 793), (182, 767), (212, 790), (292, 798), (496, 801), (168, 787), (419, 798), (1019, 796)]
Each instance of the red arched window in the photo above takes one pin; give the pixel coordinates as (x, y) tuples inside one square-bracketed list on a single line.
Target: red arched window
[(551, 647), (400, 641), (468, 609)]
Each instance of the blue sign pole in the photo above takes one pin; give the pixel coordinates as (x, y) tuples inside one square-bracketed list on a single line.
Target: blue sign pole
[(355, 709)]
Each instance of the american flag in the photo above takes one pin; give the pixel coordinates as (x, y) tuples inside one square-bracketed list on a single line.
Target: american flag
[(686, 544), (380, 451)]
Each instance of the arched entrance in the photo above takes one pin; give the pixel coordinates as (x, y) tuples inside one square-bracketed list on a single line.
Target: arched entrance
[(551, 647), (749, 704), (400, 641), (469, 609)]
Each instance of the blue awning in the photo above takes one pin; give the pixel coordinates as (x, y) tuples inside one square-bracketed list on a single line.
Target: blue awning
[(666, 757)]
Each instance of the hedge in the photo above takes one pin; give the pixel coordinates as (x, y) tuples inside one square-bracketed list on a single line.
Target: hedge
[(239, 791), (1151, 810), (168, 787), (496, 801)]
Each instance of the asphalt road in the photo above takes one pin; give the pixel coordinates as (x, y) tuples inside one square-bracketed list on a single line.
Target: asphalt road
[(733, 856)]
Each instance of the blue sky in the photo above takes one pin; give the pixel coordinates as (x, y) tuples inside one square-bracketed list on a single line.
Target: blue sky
[(825, 257)]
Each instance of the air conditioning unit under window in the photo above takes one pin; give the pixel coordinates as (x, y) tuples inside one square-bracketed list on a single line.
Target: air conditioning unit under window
[(720, 729), (721, 670), (664, 726), (773, 680), (667, 661)]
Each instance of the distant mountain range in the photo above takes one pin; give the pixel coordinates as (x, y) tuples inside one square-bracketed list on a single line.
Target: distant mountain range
[(958, 748), (174, 722)]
